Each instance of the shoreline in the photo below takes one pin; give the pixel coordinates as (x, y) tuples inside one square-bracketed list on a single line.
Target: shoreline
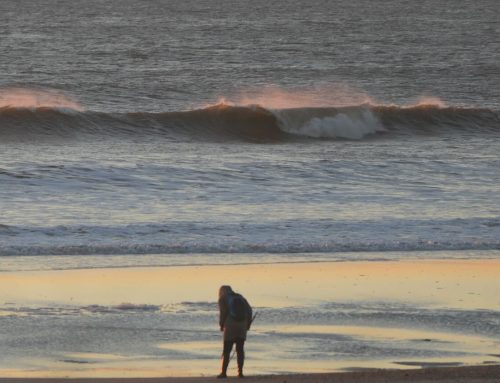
[(17, 263), (464, 374), (278, 283), (157, 322)]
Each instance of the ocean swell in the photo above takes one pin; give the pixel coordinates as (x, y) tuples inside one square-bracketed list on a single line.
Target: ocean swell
[(245, 123)]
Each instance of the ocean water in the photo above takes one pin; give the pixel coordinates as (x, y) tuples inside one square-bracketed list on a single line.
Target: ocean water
[(135, 127), (147, 133)]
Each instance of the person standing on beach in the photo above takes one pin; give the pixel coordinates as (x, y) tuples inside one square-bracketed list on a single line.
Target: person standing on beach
[(235, 320)]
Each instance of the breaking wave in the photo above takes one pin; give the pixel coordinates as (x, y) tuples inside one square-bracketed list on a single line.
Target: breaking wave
[(250, 248), (283, 237), (246, 123)]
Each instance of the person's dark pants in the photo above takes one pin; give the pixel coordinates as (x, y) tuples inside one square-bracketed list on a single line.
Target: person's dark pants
[(240, 354)]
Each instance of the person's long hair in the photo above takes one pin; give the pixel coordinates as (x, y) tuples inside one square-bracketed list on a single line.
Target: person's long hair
[(225, 290)]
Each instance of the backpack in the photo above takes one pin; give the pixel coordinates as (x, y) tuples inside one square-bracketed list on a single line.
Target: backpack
[(237, 307)]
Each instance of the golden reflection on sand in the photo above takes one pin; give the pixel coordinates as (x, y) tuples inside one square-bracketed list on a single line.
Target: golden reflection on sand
[(450, 283), (462, 342), (95, 356)]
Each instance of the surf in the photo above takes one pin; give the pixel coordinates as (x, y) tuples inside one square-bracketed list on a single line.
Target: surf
[(246, 123)]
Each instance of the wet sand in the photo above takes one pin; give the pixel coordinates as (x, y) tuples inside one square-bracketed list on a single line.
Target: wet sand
[(468, 284), (471, 374), (461, 284)]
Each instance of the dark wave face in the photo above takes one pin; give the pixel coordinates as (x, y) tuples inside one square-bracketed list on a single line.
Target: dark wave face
[(210, 124), (247, 123)]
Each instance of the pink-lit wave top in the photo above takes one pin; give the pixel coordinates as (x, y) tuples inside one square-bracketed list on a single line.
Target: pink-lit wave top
[(37, 98)]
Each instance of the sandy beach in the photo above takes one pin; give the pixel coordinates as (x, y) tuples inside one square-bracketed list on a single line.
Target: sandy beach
[(456, 283), (472, 374), (135, 322)]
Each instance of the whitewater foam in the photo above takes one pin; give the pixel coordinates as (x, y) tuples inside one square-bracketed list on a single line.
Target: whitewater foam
[(283, 237), (349, 124)]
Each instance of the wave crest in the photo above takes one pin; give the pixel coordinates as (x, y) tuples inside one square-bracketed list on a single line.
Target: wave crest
[(223, 122), (36, 98)]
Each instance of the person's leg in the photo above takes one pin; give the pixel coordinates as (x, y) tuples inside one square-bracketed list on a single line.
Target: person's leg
[(226, 354), (240, 352)]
